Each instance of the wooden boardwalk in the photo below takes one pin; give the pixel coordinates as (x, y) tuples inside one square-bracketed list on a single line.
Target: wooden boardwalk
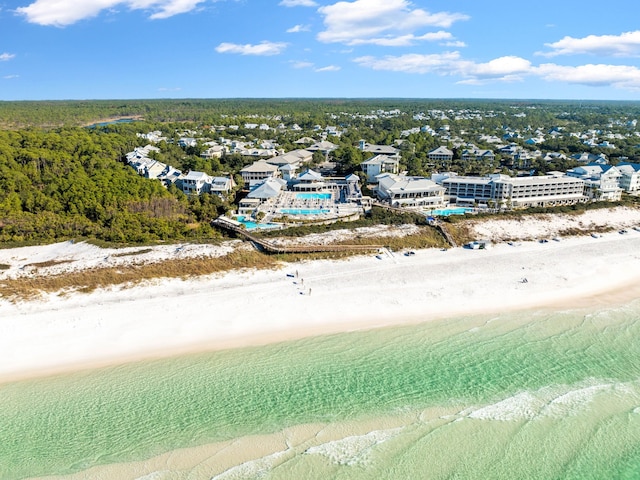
[(269, 247)]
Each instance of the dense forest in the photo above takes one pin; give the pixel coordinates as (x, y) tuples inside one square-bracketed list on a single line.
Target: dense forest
[(61, 180), (70, 183)]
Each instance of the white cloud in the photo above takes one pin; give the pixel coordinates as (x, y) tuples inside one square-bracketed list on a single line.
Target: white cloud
[(619, 76), (61, 13), (454, 44), (299, 28), (412, 62), (506, 69), (624, 45), (298, 3), (328, 68), (365, 21), (175, 7), (403, 40), (4, 57), (450, 63), (9, 77), (263, 48), (301, 64), (503, 68)]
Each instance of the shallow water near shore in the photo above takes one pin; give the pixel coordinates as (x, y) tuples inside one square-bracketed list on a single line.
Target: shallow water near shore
[(526, 395)]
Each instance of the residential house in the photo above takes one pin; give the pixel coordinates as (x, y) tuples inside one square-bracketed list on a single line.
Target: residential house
[(258, 171), (478, 154), (441, 155), (378, 149), (294, 157), (195, 183), (222, 186), (154, 169), (630, 176), (215, 151), (586, 157), (602, 182), (379, 164), (324, 147), (185, 142)]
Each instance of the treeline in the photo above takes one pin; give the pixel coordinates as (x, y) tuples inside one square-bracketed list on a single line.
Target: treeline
[(71, 183), (305, 112)]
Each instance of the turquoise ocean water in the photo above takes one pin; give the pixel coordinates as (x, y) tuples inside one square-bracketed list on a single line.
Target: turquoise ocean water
[(526, 395)]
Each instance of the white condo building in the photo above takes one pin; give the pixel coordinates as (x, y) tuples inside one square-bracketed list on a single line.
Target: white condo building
[(516, 192)]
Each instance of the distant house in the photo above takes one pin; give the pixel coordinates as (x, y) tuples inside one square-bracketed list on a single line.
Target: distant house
[(587, 157), (215, 151), (323, 147), (304, 141), (379, 164), (477, 154), (222, 186), (378, 149), (185, 142), (440, 155), (154, 169), (258, 171), (195, 183), (294, 157), (401, 191)]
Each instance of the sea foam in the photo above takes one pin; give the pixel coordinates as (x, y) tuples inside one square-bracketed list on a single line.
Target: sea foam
[(557, 401), (353, 450)]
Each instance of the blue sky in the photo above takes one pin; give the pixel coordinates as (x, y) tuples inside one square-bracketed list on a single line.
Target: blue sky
[(102, 49)]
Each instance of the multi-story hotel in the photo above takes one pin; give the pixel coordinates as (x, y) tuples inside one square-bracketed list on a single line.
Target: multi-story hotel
[(516, 192)]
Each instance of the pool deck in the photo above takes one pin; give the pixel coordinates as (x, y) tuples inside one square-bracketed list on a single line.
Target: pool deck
[(290, 201)]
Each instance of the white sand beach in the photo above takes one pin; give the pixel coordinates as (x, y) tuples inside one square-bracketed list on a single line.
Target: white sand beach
[(169, 317)]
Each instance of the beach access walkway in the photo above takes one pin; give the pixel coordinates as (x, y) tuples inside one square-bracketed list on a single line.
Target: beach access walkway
[(269, 247)]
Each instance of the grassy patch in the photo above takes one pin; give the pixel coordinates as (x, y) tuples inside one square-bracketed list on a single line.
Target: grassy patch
[(48, 263), (136, 252), (89, 280)]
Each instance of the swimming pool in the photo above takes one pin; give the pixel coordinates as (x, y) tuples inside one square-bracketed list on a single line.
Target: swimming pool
[(249, 225), (304, 211), (313, 196), (445, 212)]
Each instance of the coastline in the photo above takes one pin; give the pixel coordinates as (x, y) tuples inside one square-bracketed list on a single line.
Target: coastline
[(167, 318)]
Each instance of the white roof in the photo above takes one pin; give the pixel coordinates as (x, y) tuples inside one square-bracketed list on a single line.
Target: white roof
[(260, 166), (197, 176), (270, 188), (398, 184)]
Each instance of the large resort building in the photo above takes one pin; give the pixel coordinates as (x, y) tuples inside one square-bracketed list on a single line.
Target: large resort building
[(515, 192), (402, 191)]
